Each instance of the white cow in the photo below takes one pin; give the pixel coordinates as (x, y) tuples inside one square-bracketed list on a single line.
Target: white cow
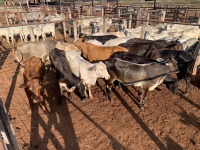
[(5, 32), (117, 41), (95, 42), (66, 46), (37, 31), (118, 34), (87, 71), (49, 28), (16, 31), (25, 32)]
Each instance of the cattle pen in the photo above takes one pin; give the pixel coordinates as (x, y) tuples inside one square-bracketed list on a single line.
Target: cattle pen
[(169, 122)]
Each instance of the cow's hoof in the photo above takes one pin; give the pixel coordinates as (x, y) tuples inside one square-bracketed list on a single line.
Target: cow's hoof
[(71, 99), (72, 89), (141, 106), (111, 101), (83, 100), (29, 112)]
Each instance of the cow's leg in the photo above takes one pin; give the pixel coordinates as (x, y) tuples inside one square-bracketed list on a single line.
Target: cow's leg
[(90, 93), (30, 101), (109, 88), (187, 82), (25, 38), (37, 38), (7, 38), (142, 100), (70, 96), (44, 37), (42, 102), (85, 90), (12, 39), (53, 36)]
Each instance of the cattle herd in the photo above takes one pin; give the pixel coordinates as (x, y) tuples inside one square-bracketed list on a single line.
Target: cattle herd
[(131, 62)]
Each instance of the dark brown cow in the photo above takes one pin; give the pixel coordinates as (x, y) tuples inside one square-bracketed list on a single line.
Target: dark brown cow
[(142, 47), (33, 82)]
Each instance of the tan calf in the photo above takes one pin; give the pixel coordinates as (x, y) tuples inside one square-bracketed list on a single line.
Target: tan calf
[(33, 82), (93, 52)]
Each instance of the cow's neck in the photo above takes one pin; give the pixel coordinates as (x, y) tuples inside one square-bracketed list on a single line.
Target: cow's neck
[(84, 48)]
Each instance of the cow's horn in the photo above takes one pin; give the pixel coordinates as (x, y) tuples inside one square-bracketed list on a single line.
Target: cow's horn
[(80, 82)]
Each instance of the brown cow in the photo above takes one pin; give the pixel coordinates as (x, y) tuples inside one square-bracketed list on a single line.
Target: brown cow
[(33, 82), (93, 52)]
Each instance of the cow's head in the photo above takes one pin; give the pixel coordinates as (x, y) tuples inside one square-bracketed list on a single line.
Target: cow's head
[(172, 64), (79, 40), (35, 86), (81, 90), (101, 70)]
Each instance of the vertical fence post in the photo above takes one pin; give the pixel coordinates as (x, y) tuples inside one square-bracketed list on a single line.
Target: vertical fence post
[(148, 17), (119, 12), (163, 15), (6, 16), (197, 61), (31, 33), (79, 12), (102, 11), (138, 22), (69, 12), (63, 23), (142, 30), (104, 23), (75, 29), (199, 21), (55, 9), (27, 3), (130, 21), (186, 14)]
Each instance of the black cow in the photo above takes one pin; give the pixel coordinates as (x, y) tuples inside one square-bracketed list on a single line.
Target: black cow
[(147, 76), (172, 45), (185, 62), (169, 81), (102, 38), (158, 44), (64, 74), (141, 47)]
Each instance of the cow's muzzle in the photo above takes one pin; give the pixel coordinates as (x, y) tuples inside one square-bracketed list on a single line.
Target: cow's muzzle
[(36, 99)]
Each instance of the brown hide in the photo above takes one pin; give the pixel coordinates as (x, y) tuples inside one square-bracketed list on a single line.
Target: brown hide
[(33, 68), (33, 82), (93, 52)]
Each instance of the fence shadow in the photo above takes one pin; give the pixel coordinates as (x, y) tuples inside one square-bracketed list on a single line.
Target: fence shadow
[(189, 101), (59, 125), (115, 144), (153, 137), (188, 119), (172, 145)]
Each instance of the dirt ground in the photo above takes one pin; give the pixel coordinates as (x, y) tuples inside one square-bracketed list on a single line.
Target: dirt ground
[(169, 122)]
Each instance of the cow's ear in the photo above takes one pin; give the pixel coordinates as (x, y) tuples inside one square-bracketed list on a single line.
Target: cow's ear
[(81, 81), (23, 85), (44, 82), (83, 39), (95, 68)]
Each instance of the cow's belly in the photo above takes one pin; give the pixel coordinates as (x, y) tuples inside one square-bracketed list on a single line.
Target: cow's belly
[(158, 82)]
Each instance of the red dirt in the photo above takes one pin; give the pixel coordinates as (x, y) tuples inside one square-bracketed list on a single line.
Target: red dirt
[(169, 122)]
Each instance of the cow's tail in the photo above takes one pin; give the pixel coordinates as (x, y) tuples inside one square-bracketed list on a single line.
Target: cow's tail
[(14, 53)]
